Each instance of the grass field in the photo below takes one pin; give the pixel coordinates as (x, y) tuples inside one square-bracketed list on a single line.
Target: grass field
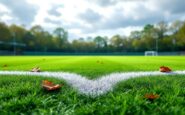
[(23, 94)]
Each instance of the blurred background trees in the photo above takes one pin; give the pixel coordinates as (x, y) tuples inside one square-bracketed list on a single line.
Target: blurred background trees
[(167, 37)]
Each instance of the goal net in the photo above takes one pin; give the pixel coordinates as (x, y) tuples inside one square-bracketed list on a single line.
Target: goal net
[(151, 53)]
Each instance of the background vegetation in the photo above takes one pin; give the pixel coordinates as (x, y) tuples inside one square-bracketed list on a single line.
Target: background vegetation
[(169, 37)]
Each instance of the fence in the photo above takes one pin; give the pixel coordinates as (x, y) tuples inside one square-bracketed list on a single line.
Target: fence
[(90, 54), (78, 53), (4, 52)]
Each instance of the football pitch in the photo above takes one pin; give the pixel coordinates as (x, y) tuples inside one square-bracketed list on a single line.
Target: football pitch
[(24, 94)]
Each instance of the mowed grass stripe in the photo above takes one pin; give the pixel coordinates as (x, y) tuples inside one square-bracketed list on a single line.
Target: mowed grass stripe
[(143, 63), (92, 66), (45, 62)]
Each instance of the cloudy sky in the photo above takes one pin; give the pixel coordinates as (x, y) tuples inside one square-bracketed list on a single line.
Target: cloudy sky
[(83, 18)]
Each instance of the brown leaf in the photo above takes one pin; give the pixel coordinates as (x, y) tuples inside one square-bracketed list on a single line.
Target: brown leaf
[(164, 69), (46, 82), (151, 97), (36, 69), (50, 86)]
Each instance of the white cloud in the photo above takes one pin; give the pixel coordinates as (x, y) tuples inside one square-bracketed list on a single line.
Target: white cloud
[(5, 14), (3, 8), (84, 18), (20, 12), (6, 18)]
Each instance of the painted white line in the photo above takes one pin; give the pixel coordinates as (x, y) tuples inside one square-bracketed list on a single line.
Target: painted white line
[(92, 87)]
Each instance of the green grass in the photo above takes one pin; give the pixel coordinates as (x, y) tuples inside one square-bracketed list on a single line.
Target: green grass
[(23, 94), (88, 66)]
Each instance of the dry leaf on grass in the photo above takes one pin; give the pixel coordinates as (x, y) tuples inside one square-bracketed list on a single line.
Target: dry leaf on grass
[(50, 86), (36, 69), (164, 69), (151, 97)]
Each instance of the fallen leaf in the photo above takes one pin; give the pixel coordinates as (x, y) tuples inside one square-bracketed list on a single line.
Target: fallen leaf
[(164, 69), (151, 97), (46, 82), (36, 69), (50, 86)]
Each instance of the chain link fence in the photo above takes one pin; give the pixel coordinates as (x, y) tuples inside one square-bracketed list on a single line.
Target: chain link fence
[(90, 54)]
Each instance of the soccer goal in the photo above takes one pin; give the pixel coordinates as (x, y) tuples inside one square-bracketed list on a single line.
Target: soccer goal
[(151, 53)]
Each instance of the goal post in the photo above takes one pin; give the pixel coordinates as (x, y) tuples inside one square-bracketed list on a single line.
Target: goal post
[(151, 53)]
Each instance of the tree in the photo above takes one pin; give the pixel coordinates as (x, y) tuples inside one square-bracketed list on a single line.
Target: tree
[(181, 38), (28, 39), (100, 42), (175, 26), (39, 39), (117, 42), (135, 35), (149, 38), (161, 29), (62, 34), (19, 32), (139, 45), (5, 34)]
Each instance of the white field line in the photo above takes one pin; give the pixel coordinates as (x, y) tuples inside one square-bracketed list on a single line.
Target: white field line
[(92, 87)]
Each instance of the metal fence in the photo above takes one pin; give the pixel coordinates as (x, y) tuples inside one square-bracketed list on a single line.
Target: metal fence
[(4, 52), (78, 53), (90, 54)]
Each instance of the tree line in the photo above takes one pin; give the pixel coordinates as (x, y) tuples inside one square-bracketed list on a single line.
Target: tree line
[(159, 37)]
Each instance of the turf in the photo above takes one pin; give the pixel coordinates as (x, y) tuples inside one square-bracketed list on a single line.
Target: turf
[(23, 94), (91, 66)]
